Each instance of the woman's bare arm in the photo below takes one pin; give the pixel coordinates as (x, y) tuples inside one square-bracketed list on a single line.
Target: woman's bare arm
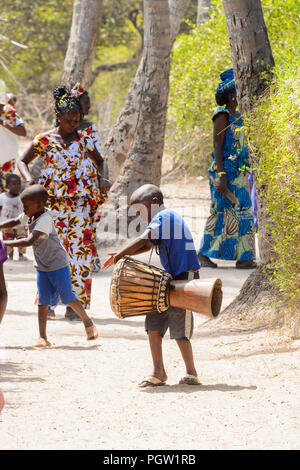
[(17, 130), (96, 158), (102, 167), (23, 162), (220, 124)]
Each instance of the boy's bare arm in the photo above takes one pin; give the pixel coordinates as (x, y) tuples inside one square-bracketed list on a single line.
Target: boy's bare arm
[(10, 223), (24, 242), (137, 246)]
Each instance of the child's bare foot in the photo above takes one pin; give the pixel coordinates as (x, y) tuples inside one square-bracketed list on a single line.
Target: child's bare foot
[(42, 343), (91, 333)]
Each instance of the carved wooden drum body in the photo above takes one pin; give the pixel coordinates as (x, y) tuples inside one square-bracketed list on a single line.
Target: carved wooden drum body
[(139, 289)]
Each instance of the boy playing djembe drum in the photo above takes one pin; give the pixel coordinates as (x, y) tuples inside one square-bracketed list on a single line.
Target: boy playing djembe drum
[(167, 230)]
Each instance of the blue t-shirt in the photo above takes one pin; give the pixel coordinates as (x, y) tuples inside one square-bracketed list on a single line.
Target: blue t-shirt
[(176, 247)]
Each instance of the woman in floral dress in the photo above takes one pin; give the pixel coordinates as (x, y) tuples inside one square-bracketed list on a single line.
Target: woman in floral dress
[(71, 182), (229, 230), (89, 129), (11, 121)]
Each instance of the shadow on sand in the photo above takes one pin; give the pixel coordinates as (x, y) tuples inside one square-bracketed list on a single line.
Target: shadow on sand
[(197, 388)]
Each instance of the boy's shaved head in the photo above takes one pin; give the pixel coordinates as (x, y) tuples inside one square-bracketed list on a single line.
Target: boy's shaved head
[(36, 193), (12, 177), (147, 192)]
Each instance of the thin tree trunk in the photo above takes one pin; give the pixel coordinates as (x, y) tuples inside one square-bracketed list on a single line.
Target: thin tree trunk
[(121, 136), (250, 49), (143, 164), (203, 11), (82, 43)]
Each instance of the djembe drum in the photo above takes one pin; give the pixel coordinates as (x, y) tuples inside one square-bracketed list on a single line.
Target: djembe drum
[(139, 289)]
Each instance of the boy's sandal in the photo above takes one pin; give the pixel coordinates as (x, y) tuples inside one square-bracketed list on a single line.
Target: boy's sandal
[(91, 333), (151, 382), (190, 379), (42, 343)]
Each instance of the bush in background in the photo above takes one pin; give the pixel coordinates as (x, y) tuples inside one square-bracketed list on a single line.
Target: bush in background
[(273, 130)]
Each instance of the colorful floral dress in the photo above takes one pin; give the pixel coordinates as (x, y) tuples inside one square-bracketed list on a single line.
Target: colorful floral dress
[(229, 230), (71, 182), (9, 115), (95, 214)]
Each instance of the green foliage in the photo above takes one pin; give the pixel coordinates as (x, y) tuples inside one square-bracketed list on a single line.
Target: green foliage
[(110, 88), (42, 26), (115, 25), (198, 59), (273, 130)]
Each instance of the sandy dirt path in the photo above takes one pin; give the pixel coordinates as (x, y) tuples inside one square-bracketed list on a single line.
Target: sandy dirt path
[(80, 395)]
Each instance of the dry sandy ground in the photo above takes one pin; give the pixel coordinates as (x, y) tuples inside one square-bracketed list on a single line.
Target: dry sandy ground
[(80, 395)]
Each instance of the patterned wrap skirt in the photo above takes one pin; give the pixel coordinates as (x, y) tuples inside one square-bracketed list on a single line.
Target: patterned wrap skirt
[(229, 233), (71, 217)]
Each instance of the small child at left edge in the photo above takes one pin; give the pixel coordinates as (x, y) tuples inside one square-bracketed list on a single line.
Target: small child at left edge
[(51, 261), (11, 207)]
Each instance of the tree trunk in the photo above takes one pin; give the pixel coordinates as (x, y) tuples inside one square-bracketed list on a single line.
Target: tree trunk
[(121, 136), (252, 62), (82, 43), (143, 164), (250, 49), (203, 11)]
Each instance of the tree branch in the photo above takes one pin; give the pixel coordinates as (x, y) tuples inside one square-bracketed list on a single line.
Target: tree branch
[(110, 68), (133, 18)]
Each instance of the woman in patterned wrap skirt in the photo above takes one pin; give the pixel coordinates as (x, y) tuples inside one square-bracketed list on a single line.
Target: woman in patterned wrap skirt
[(229, 230), (71, 182)]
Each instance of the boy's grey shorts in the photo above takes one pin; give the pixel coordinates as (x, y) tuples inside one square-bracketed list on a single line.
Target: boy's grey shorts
[(180, 322)]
